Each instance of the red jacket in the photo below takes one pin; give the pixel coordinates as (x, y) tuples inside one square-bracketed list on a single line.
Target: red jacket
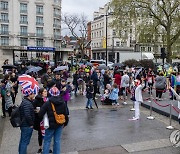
[(117, 79)]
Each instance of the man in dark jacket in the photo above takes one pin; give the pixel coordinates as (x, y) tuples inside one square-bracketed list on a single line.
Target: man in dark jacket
[(95, 79), (27, 116), (55, 129)]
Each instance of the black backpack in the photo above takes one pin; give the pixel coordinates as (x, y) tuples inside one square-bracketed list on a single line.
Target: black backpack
[(15, 119)]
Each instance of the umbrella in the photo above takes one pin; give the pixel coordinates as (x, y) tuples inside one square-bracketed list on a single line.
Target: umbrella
[(117, 65), (101, 67), (60, 68), (26, 81), (34, 69), (89, 64), (8, 66), (138, 72)]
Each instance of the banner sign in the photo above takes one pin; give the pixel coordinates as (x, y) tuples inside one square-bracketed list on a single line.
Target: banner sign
[(41, 49)]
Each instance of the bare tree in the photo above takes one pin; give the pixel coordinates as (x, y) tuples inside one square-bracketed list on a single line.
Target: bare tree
[(77, 25)]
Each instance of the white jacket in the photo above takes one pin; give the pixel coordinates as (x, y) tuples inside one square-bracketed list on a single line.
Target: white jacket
[(138, 93)]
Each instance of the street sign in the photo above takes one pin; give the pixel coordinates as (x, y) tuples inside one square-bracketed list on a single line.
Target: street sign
[(41, 49)]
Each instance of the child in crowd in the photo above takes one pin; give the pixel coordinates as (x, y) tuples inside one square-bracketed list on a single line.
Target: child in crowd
[(114, 95), (105, 98)]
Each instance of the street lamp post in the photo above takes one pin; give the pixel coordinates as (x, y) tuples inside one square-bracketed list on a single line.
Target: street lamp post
[(106, 39)]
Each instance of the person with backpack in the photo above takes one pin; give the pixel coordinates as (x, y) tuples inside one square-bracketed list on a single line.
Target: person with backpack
[(58, 119), (124, 85), (27, 116)]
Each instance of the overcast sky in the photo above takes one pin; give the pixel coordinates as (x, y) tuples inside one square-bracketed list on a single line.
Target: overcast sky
[(82, 6)]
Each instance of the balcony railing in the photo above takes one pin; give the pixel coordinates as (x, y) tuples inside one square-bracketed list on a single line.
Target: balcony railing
[(57, 37), (40, 23), (4, 9), (39, 13), (23, 22), (23, 33), (57, 15), (39, 34), (4, 32), (23, 11), (4, 20), (57, 25)]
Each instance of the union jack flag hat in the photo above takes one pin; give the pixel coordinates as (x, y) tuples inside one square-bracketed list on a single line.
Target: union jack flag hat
[(54, 91)]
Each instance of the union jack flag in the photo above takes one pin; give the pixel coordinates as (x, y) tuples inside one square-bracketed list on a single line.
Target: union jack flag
[(26, 81)]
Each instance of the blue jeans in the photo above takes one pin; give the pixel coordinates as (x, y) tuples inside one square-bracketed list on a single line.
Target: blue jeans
[(89, 102), (49, 133), (26, 133)]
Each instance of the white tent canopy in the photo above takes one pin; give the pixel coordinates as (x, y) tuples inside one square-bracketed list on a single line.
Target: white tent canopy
[(147, 55)]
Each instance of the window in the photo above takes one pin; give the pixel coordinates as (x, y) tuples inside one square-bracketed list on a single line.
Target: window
[(143, 48), (4, 29), (23, 8), (23, 42), (39, 42), (23, 30), (4, 5), (4, 40), (39, 20), (114, 32), (39, 31), (39, 54), (57, 12), (39, 9), (149, 49), (117, 43), (23, 19), (23, 53), (4, 17)]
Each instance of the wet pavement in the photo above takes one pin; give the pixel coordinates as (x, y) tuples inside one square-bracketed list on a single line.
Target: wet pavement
[(106, 130)]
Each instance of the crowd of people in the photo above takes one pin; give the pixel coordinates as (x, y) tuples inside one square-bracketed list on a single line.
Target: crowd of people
[(110, 85)]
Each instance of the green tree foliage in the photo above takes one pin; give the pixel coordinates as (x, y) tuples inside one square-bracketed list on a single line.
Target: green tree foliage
[(153, 20), (131, 63)]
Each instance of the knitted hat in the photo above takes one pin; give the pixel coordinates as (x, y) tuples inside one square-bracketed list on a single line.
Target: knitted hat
[(27, 92), (54, 91)]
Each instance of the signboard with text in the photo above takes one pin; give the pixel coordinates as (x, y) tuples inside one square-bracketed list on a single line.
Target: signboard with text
[(41, 49)]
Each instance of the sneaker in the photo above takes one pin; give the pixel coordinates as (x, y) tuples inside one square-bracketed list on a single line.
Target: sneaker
[(39, 151), (133, 119), (87, 107), (50, 151), (91, 108), (124, 103), (117, 104), (113, 103), (96, 98)]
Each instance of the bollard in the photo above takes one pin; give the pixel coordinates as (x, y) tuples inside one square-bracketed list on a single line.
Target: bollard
[(170, 127), (150, 117)]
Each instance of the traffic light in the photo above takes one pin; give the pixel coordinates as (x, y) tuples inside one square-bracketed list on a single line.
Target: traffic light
[(163, 53)]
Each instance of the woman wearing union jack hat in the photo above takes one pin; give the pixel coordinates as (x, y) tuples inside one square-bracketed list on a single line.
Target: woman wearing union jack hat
[(55, 129)]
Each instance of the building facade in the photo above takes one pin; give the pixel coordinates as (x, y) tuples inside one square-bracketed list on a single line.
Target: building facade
[(115, 45), (29, 23)]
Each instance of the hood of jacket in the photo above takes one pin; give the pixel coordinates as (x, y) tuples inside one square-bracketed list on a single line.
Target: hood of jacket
[(57, 100)]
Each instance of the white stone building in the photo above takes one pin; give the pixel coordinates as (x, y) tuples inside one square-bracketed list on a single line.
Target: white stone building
[(29, 23), (115, 45)]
